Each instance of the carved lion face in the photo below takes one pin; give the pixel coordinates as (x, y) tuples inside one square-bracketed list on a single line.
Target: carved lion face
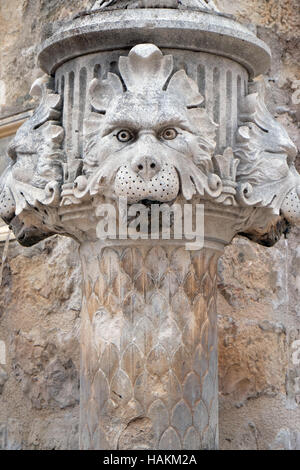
[(146, 137)]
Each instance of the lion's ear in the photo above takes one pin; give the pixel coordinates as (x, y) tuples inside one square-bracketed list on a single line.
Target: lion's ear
[(103, 92), (186, 89)]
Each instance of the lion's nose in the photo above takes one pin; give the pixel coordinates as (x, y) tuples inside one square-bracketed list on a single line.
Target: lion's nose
[(146, 166)]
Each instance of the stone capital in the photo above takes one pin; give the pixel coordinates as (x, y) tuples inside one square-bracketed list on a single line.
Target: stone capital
[(145, 133)]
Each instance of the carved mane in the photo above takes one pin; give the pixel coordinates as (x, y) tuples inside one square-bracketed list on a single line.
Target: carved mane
[(266, 171), (146, 72)]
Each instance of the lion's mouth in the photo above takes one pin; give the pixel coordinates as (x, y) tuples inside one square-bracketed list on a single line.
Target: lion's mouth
[(27, 235), (149, 202), (150, 217), (162, 187)]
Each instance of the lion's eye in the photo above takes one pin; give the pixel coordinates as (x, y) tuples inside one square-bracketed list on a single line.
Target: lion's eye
[(169, 134), (124, 136)]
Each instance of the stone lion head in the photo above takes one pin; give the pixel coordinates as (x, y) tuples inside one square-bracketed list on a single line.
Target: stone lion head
[(146, 137)]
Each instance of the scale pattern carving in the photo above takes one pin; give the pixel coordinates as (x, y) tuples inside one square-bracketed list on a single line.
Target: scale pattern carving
[(149, 349)]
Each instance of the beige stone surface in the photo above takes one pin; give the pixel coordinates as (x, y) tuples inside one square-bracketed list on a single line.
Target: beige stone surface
[(20, 38), (258, 303), (39, 317)]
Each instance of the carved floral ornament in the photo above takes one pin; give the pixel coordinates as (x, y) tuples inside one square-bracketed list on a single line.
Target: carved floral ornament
[(148, 136)]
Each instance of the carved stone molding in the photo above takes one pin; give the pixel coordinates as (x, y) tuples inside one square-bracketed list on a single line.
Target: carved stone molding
[(198, 32), (205, 5), (124, 119)]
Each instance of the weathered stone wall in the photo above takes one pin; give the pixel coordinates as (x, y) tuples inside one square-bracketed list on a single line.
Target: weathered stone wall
[(258, 287)]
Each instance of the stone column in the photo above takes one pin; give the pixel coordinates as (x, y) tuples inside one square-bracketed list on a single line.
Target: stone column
[(149, 348), (125, 115)]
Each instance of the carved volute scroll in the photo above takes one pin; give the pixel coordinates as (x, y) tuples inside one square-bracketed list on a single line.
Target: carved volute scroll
[(133, 122)]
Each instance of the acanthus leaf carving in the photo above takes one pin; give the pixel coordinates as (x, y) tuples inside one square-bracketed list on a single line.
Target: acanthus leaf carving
[(145, 102), (266, 170), (226, 168), (266, 175), (148, 137), (34, 178)]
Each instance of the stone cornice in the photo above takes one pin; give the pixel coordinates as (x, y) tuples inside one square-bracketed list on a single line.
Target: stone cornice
[(110, 30)]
